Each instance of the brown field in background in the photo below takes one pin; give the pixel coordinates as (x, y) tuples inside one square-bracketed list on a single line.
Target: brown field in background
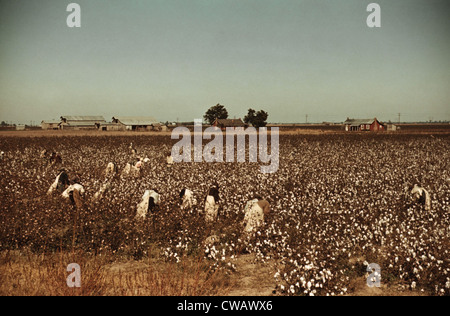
[(298, 129)]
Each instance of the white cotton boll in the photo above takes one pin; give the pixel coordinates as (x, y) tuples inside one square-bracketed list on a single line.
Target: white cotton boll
[(292, 289)]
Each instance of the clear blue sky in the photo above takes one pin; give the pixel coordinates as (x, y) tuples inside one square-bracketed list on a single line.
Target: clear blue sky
[(176, 58)]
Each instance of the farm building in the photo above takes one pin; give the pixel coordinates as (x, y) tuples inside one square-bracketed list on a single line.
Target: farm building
[(224, 123), (110, 127), (361, 125), (391, 127), (81, 122), (136, 123), (50, 125)]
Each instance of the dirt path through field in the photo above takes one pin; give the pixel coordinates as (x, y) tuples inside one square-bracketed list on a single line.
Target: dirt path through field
[(252, 279), (257, 279)]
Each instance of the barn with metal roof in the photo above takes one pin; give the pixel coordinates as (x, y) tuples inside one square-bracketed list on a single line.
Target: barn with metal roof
[(81, 122)]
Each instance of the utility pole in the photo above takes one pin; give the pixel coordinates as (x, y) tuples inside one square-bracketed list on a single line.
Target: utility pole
[(306, 116), (399, 118)]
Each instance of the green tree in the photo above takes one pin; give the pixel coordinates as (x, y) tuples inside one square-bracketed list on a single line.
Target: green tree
[(215, 112), (257, 119), (248, 119)]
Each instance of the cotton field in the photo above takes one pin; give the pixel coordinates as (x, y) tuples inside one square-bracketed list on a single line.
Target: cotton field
[(339, 202)]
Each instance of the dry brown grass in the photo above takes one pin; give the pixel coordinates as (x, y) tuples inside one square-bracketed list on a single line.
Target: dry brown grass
[(25, 274)]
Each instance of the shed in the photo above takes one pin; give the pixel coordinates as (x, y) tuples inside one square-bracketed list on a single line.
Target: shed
[(136, 123), (392, 127), (50, 125), (224, 123), (110, 127)]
